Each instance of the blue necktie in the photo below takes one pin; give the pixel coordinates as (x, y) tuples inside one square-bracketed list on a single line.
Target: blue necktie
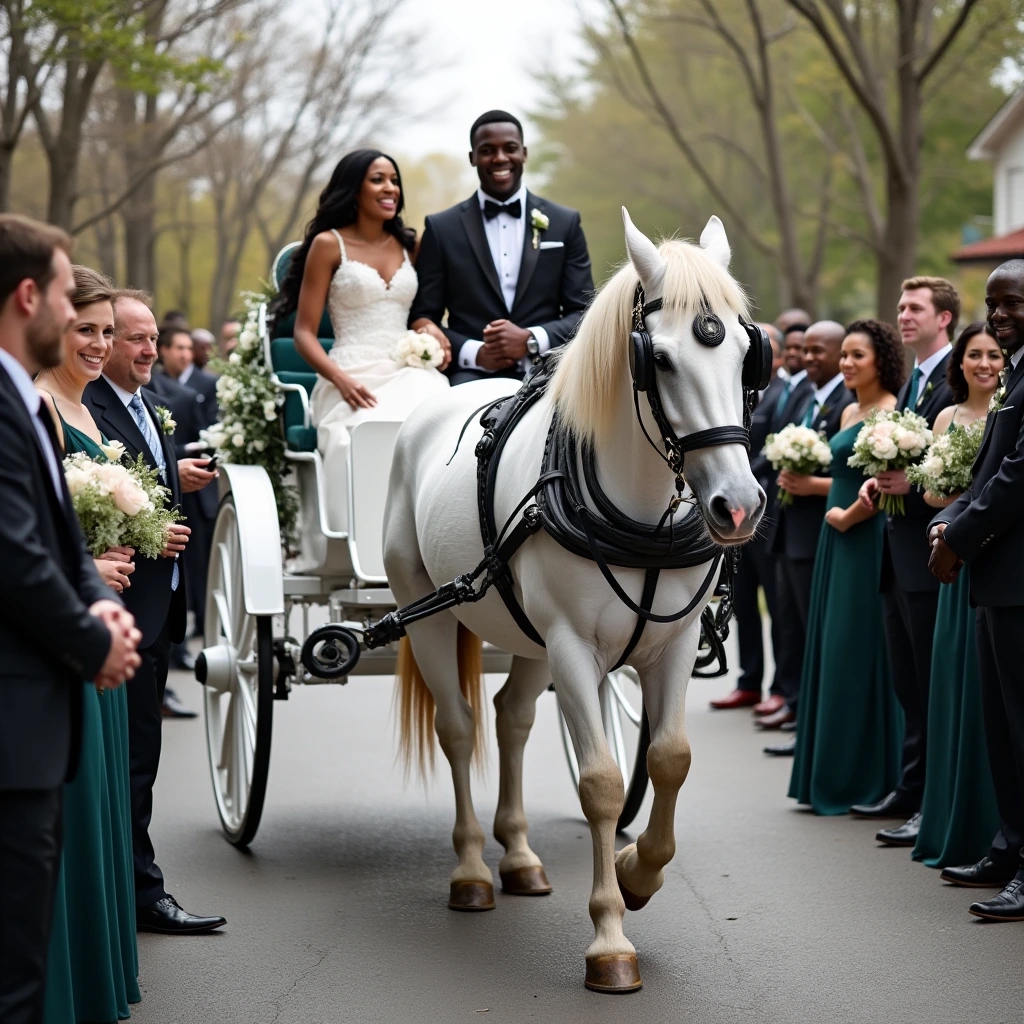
[(157, 451), (915, 384)]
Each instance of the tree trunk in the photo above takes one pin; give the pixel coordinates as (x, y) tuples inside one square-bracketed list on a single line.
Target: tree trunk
[(899, 248), (6, 164), (140, 237)]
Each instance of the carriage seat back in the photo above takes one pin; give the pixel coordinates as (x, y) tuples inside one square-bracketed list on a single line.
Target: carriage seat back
[(291, 368)]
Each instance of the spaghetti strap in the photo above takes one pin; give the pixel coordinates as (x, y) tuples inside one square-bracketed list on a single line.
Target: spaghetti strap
[(341, 245)]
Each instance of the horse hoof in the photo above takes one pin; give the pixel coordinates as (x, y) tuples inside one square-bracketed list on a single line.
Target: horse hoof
[(615, 973), (528, 881), (471, 896), (632, 901)]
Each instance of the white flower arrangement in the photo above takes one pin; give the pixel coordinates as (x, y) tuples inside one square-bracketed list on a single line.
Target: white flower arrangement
[(249, 431), (946, 467), (888, 441), (798, 449), (421, 350), (539, 222), (995, 403), (166, 420), (119, 504)]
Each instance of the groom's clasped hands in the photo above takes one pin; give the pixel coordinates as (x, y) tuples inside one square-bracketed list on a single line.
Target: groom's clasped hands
[(504, 345)]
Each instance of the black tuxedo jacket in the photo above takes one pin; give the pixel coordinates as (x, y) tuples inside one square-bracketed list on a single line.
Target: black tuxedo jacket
[(205, 386), (799, 524), (49, 643), (905, 550), (760, 428), (986, 523), (458, 276), (149, 598)]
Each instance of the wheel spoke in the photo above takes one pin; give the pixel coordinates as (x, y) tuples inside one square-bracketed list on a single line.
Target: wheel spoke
[(248, 715), (633, 715), (613, 728)]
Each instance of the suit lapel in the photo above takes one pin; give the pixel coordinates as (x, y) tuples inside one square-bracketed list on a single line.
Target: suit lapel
[(120, 423), (473, 222), (528, 263), (170, 458)]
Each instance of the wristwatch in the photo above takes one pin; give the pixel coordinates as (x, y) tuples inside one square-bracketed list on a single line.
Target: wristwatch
[(533, 348)]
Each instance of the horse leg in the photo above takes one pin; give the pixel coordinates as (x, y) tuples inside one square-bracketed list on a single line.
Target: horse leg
[(611, 958), (640, 866), (520, 870)]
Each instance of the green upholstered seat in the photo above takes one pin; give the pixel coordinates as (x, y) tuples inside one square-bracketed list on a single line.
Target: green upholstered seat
[(286, 327), (291, 368), (301, 439)]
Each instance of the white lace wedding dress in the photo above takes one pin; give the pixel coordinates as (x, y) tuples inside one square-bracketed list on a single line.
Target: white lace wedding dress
[(369, 317)]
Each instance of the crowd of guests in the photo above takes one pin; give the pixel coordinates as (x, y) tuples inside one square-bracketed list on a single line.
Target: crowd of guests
[(82, 364), (895, 635)]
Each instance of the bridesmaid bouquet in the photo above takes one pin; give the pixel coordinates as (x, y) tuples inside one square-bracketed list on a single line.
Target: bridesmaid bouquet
[(798, 449), (119, 504), (946, 468), (415, 349), (888, 441)]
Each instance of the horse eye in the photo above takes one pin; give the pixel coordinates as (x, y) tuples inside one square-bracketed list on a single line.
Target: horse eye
[(661, 361)]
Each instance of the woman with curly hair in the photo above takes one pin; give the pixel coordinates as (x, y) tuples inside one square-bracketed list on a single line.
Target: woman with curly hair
[(851, 726)]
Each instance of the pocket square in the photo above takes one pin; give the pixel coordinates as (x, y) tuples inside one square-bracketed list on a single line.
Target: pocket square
[(552, 245), (1006, 408)]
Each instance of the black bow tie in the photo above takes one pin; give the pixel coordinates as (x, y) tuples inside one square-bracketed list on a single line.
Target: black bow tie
[(513, 209)]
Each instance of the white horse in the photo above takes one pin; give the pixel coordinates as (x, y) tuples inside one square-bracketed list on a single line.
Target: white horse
[(432, 535)]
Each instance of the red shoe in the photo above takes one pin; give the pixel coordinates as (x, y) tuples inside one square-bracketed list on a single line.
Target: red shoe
[(737, 699), (770, 706)]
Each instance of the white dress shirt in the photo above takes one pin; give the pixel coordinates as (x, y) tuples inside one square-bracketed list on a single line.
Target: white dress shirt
[(127, 396), (1016, 357), (23, 382), (505, 235), (821, 395), (186, 373), (927, 366)]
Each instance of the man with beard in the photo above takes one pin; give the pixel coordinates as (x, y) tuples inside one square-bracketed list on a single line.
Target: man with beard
[(60, 624), (984, 528)]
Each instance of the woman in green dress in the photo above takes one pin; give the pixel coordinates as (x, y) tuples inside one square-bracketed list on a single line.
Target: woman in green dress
[(93, 963), (848, 739), (958, 812)]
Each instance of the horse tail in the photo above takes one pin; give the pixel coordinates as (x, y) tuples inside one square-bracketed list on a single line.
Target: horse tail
[(416, 706)]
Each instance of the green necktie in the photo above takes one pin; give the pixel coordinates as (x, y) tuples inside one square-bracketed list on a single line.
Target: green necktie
[(809, 415), (783, 398), (915, 384)]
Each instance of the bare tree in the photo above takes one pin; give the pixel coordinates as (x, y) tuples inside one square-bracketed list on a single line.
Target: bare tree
[(294, 107), (888, 52)]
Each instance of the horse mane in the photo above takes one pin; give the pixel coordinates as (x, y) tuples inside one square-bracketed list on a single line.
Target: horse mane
[(591, 367)]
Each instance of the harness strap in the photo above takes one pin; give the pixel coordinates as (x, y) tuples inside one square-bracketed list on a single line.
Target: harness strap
[(646, 601)]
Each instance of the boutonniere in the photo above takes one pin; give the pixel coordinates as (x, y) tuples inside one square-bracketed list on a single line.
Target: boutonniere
[(539, 222), (928, 389), (163, 414), (996, 401)]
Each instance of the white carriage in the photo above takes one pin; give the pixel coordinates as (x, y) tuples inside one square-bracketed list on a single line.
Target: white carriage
[(256, 603)]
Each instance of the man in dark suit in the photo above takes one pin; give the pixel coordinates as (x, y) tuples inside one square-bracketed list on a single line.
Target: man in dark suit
[(928, 313), (59, 623), (756, 569), (511, 269), (794, 541), (125, 412), (984, 528)]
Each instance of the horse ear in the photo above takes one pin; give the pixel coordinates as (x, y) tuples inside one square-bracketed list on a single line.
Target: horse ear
[(713, 238), (644, 256)]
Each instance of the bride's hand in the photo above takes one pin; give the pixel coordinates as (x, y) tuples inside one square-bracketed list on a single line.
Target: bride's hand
[(431, 328), (357, 395)]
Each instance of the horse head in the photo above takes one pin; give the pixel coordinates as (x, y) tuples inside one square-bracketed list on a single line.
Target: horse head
[(697, 372)]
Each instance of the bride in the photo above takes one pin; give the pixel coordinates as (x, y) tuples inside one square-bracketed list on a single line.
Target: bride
[(357, 260)]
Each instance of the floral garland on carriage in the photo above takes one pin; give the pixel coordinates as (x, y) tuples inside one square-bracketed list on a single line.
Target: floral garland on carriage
[(250, 432)]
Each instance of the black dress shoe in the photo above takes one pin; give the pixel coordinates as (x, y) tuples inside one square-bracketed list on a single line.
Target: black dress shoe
[(902, 835), (986, 874), (1007, 906), (781, 749), (173, 708), (181, 658), (895, 805), (166, 917)]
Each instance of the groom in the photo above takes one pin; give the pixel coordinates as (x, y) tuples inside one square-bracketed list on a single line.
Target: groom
[(511, 270)]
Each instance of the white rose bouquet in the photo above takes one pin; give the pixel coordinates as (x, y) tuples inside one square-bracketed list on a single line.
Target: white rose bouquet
[(946, 467), (423, 350), (798, 449), (888, 441), (119, 505)]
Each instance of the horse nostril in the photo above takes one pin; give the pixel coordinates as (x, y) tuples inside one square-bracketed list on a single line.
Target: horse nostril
[(720, 509)]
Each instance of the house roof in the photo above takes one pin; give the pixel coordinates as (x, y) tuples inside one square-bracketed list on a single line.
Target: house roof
[(1008, 117), (988, 250)]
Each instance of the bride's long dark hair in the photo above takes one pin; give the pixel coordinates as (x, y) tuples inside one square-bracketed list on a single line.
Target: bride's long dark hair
[(338, 207)]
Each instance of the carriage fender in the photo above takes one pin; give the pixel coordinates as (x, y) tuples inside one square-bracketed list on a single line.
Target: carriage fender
[(259, 536)]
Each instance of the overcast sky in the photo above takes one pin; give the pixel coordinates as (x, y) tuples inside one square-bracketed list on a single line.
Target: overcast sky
[(482, 55)]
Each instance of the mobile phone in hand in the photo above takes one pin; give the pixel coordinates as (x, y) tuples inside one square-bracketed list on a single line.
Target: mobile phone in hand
[(211, 465)]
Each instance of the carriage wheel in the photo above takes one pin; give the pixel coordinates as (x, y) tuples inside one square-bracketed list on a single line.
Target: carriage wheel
[(237, 668), (628, 734)]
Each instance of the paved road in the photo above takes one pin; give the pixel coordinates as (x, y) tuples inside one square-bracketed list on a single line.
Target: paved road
[(338, 912)]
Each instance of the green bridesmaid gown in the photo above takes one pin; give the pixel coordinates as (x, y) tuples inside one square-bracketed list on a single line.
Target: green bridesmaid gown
[(850, 726), (93, 966), (958, 812)]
